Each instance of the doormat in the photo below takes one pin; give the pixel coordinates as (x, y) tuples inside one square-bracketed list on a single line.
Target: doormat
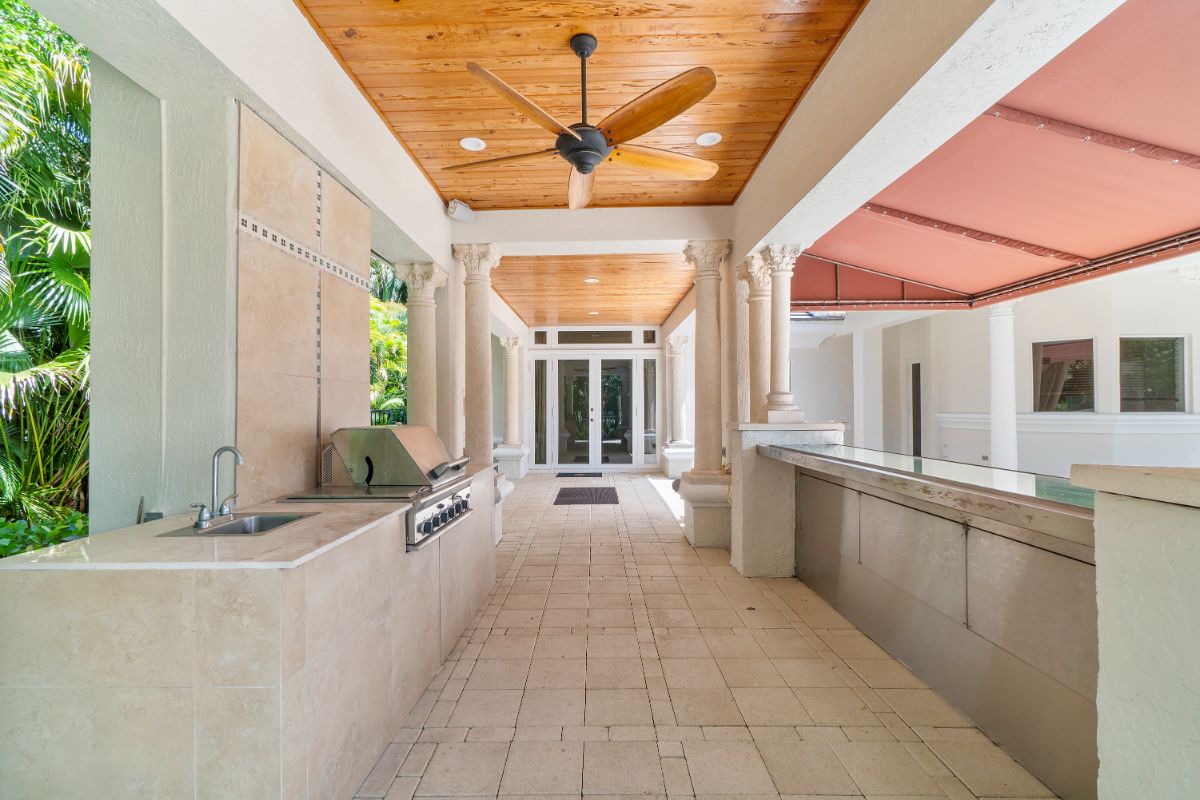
[(578, 475), (586, 496)]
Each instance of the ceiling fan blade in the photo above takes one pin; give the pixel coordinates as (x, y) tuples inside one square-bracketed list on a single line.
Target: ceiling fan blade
[(663, 102), (491, 162), (519, 101), (663, 162), (579, 188)]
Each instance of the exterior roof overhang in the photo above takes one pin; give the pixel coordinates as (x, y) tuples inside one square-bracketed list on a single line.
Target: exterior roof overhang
[(1089, 167)]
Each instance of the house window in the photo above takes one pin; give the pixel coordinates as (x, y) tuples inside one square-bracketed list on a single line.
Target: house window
[(595, 337), (1152, 374), (541, 337), (1063, 376)]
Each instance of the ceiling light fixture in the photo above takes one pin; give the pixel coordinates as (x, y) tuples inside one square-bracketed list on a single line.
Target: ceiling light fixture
[(591, 280), (472, 143), (593, 313), (708, 139)]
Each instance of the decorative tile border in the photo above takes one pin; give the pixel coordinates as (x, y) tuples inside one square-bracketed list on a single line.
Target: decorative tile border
[(268, 235)]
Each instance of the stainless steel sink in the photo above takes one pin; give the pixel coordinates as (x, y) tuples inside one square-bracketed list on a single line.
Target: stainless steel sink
[(242, 525)]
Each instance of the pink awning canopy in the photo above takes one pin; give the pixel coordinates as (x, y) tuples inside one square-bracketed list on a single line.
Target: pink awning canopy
[(1090, 166)]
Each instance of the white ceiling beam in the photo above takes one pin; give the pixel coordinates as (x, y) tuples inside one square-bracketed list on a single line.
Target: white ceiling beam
[(909, 75)]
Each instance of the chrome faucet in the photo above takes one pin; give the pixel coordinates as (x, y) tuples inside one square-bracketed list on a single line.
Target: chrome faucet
[(212, 514)]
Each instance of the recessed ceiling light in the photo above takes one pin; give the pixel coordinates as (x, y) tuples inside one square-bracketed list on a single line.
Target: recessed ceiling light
[(475, 144), (593, 313), (591, 280), (708, 139)]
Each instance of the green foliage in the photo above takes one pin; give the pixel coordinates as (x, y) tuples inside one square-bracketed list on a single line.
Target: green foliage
[(19, 536), (389, 347), (45, 295)]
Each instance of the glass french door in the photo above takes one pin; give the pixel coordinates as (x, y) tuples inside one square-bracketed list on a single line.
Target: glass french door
[(596, 412)]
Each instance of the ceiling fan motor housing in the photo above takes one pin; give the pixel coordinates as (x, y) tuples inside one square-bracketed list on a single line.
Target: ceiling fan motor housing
[(587, 151)]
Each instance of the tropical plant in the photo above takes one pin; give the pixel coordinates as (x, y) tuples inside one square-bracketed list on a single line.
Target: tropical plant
[(389, 347), (45, 298)]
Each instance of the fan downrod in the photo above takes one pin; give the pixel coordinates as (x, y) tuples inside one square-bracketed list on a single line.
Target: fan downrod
[(591, 148)]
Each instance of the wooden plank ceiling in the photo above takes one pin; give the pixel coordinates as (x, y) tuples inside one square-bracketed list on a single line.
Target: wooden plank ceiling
[(633, 289), (409, 58)]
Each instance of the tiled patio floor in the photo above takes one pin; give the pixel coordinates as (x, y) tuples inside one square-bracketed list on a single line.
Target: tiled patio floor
[(615, 659)]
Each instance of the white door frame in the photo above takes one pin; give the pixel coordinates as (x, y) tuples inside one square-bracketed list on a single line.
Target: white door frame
[(641, 461)]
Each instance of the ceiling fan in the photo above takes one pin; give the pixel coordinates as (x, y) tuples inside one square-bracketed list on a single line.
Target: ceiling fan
[(585, 146)]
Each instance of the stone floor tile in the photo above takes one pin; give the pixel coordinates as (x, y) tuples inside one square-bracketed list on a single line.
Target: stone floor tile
[(479, 707), (560, 646), (881, 673), (692, 673), (551, 707), (800, 673), (418, 759), (750, 672), (621, 768), (508, 647), (543, 768), (705, 707), (682, 646), (833, 706), (612, 646), (923, 707), (615, 673), (491, 734), (987, 770), (464, 769), (499, 673), (385, 770), (730, 646), (770, 707), (606, 707), (727, 768), (805, 768), (884, 768), (556, 673)]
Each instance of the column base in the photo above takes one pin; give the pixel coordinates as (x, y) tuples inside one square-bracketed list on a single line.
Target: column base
[(777, 415), (678, 458), (706, 516), (512, 460)]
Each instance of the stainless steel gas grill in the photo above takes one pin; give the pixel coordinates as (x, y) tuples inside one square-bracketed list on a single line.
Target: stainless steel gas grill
[(396, 463)]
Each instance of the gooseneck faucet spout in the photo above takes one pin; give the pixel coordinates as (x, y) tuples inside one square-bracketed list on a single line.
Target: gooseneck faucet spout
[(217, 511)]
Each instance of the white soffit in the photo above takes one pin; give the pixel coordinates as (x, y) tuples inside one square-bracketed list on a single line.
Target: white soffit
[(581, 232), (909, 75), (177, 49)]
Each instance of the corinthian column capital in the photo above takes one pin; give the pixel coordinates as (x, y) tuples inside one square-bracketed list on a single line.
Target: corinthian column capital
[(757, 275), (707, 256), (422, 280), (478, 261), (677, 345), (779, 257), (511, 345)]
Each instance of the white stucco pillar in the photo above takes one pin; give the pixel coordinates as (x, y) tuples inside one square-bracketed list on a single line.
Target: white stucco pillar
[(477, 262), (781, 260), (755, 273), (1003, 388), (512, 391), (1148, 616), (423, 281), (678, 452), (511, 455), (705, 487), (867, 367)]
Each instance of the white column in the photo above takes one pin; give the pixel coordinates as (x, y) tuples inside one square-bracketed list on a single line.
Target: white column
[(676, 348), (755, 273), (1002, 377), (512, 391), (477, 261), (867, 366), (781, 260), (678, 452), (705, 487), (422, 280), (706, 257)]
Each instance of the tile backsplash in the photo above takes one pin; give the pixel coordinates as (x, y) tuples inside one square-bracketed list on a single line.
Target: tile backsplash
[(304, 249)]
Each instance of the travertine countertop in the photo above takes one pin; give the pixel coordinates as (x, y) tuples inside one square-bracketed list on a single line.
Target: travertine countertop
[(1178, 485), (143, 546)]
